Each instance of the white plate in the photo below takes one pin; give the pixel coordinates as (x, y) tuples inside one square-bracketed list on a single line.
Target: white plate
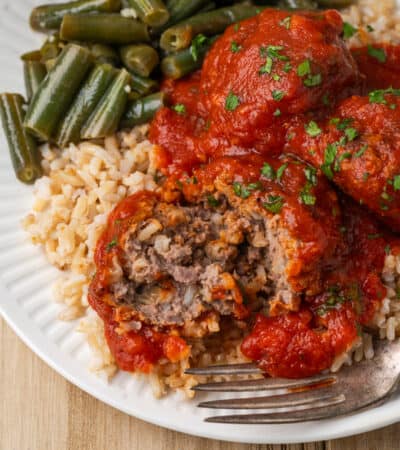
[(26, 302)]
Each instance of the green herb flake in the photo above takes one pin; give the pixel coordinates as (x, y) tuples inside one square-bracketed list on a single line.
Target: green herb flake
[(277, 113), (374, 236), (365, 176), (236, 27), (370, 29), (235, 47), (325, 100), (198, 43), (313, 80), (274, 204), (341, 125), (268, 171), (311, 175), (351, 134), (278, 95), (212, 201), (348, 30), (287, 67), (232, 101), (306, 197), (179, 184), (276, 77), (273, 51), (393, 106), (362, 150), (281, 171), (285, 23), (377, 53), (396, 182), (312, 129), (179, 108), (304, 68), (329, 158), (267, 67), (378, 96), (111, 245)]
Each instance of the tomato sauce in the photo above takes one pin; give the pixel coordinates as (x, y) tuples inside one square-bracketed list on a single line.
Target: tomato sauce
[(229, 119)]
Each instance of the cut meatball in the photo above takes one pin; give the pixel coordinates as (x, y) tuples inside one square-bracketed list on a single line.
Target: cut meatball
[(358, 148)]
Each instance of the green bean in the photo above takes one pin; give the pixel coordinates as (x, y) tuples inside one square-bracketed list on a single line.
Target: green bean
[(151, 12), (23, 150), (142, 110), (105, 118), (140, 59), (104, 54), (180, 36), (34, 74), (335, 3), (57, 91), (297, 4), (142, 85), (90, 94), (103, 28), (34, 55), (50, 48), (49, 17), (181, 63)]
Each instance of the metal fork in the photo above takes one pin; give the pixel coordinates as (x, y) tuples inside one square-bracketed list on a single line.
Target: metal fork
[(363, 385)]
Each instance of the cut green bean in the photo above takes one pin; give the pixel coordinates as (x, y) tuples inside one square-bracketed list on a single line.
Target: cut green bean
[(23, 150), (142, 110), (90, 94), (105, 118), (34, 74), (298, 4), (57, 91), (51, 48), (151, 12), (103, 28), (34, 55), (143, 86), (104, 54), (179, 64), (209, 23), (335, 3), (49, 17), (140, 59)]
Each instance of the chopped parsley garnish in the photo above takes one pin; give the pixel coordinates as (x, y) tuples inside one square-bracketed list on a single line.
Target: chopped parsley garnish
[(370, 29), (378, 96), (329, 159), (274, 204), (306, 197), (388, 249), (179, 108), (281, 171), (287, 67), (212, 201), (235, 47), (304, 68), (342, 125), (351, 133), (325, 100), (311, 175), (278, 95), (285, 22), (393, 106), (377, 53), (273, 51), (313, 80), (396, 182), (236, 27), (268, 171), (277, 112), (348, 30), (267, 67), (365, 176), (198, 43), (276, 77), (111, 245), (342, 157), (312, 129), (362, 150), (231, 102), (243, 191)]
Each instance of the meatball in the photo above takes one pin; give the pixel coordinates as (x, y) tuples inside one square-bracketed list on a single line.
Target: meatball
[(270, 66), (358, 148)]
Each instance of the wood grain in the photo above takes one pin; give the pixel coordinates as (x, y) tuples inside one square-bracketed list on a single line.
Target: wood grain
[(39, 410)]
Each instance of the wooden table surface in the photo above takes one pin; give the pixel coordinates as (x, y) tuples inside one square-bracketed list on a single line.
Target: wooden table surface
[(39, 410)]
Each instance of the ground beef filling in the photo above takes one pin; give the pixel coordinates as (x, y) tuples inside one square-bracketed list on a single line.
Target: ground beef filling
[(187, 261)]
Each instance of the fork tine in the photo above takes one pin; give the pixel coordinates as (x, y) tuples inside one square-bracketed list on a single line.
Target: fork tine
[(266, 384), (275, 401), (301, 414), (227, 369)]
